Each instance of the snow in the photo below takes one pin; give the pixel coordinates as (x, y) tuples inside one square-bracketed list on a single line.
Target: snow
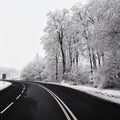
[(107, 94), (4, 84)]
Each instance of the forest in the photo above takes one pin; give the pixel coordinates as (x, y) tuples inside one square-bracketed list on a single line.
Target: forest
[(82, 46)]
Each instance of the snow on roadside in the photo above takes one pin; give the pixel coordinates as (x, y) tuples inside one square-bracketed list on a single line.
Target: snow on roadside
[(107, 94), (4, 84)]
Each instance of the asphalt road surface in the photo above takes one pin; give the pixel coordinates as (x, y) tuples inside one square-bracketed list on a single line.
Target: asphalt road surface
[(39, 101)]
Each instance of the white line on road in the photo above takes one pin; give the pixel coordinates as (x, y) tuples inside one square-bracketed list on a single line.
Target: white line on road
[(18, 96), (23, 87), (13, 102), (64, 111), (61, 105), (73, 116), (7, 107), (22, 91)]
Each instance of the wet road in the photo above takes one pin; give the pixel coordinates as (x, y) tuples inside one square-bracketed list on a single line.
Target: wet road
[(35, 103), (39, 101)]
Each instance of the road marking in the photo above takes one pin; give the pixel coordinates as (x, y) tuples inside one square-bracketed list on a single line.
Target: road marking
[(18, 96), (66, 114), (73, 116), (13, 102), (22, 91), (23, 87), (58, 100), (7, 107)]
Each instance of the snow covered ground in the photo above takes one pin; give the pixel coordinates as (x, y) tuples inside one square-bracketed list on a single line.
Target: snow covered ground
[(4, 84), (110, 95)]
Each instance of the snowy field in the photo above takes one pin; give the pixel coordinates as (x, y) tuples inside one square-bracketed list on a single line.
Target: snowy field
[(4, 84), (110, 95)]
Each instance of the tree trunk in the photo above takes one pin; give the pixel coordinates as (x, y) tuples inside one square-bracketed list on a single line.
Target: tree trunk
[(63, 60), (77, 58), (73, 61), (70, 57), (77, 54), (94, 59), (90, 59), (56, 67), (103, 60), (99, 59), (70, 54), (60, 37), (89, 51)]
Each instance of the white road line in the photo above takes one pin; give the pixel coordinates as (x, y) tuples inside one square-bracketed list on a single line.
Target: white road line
[(7, 107), (64, 111), (18, 96), (23, 87), (61, 105), (13, 102), (73, 116), (22, 91)]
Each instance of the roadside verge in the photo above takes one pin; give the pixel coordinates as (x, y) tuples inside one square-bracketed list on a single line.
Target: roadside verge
[(4, 85), (107, 94)]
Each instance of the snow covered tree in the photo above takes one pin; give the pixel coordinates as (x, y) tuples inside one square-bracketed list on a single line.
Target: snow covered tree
[(33, 71), (90, 31), (52, 58), (56, 26), (11, 73), (106, 35)]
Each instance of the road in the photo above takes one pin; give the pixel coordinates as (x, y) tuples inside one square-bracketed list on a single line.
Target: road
[(39, 101)]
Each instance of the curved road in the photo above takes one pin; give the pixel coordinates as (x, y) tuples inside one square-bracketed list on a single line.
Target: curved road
[(39, 101)]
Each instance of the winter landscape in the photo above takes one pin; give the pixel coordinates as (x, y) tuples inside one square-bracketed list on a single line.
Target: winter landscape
[(60, 64)]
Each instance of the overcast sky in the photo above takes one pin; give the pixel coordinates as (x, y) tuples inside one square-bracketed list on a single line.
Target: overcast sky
[(21, 26)]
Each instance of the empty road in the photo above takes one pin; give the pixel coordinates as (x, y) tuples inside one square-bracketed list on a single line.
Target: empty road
[(39, 101)]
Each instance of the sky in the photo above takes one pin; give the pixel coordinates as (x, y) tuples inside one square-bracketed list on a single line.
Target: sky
[(21, 25)]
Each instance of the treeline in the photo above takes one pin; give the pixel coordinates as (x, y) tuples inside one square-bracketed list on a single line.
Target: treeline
[(83, 44), (11, 73)]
